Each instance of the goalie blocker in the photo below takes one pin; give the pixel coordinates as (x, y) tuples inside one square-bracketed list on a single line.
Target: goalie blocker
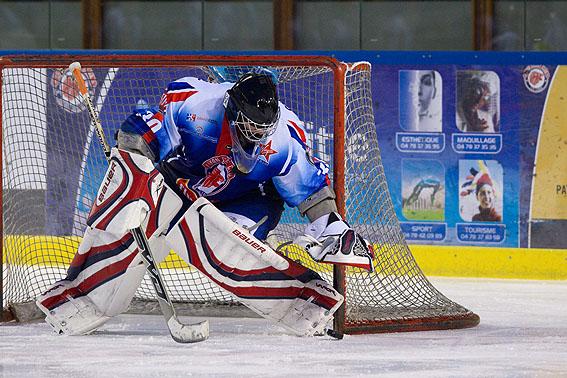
[(107, 269)]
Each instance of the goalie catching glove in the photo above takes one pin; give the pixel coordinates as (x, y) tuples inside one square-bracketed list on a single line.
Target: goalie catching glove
[(329, 239)]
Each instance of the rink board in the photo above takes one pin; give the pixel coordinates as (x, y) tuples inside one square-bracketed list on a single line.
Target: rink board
[(449, 261)]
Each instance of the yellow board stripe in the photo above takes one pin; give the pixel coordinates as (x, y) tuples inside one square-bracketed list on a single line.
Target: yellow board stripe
[(57, 252), (520, 263), (452, 261)]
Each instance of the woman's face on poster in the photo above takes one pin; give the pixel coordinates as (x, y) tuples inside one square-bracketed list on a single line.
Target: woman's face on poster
[(485, 196), (426, 90)]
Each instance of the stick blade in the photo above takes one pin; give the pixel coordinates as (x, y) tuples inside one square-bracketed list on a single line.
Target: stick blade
[(335, 334), (188, 333)]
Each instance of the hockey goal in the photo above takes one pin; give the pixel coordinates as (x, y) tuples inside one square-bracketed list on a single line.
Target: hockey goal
[(52, 167)]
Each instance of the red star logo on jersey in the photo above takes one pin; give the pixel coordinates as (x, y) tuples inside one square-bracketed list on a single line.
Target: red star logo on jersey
[(267, 151)]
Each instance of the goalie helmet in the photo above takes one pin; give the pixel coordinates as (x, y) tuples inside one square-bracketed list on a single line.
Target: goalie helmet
[(253, 112)]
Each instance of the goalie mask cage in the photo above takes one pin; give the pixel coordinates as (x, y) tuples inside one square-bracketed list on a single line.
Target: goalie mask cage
[(52, 167)]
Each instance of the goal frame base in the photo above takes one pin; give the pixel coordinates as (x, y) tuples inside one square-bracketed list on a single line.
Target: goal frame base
[(412, 325)]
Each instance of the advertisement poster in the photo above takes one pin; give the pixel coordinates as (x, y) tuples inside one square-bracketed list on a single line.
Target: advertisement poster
[(474, 154), (459, 145)]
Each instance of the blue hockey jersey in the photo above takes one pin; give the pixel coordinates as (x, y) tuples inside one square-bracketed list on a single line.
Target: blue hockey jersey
[(193, 136)]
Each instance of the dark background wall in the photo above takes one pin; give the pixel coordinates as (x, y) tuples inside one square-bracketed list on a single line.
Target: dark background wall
[(513, 25)]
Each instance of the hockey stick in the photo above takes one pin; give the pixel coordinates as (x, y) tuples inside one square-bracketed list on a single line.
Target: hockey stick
[(182, 333)]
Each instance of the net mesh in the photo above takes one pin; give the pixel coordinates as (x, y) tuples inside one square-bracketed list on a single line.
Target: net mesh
[(52, 167)]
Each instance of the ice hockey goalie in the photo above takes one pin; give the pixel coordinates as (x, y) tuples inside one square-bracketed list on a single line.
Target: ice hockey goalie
[(207, 175)]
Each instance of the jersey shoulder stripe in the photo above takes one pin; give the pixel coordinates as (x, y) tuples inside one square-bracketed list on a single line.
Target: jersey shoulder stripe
[(179, 96), (177, 91), (299, 131), (297, 134), (179, 85)]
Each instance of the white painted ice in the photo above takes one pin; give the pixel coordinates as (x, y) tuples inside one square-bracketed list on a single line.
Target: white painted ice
[(523, 333)]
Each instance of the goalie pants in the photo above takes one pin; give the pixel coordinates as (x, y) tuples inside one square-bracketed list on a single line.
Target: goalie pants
[(245, 210)]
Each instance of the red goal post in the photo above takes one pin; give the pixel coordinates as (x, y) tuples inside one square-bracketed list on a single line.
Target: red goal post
[(50, 174)]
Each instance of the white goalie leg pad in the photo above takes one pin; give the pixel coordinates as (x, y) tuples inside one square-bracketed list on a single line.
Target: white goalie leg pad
[(77, 316), (99, 291), (303, 316), (271, 285), (127, 193), (100, 283), (107, 270)]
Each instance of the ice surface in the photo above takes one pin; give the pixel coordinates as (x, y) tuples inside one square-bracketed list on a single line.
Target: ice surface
[(523, 333)]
